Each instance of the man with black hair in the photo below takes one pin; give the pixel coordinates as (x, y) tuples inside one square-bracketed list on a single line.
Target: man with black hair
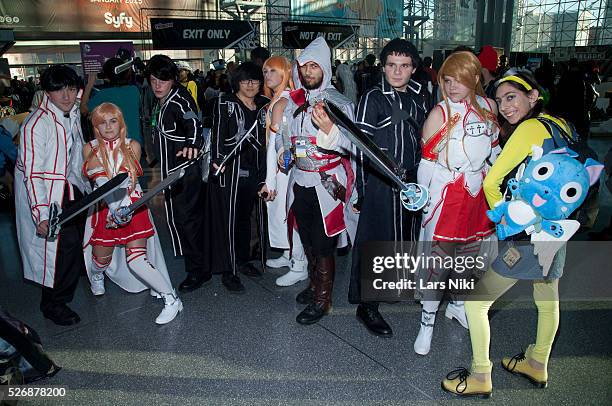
[(177, 135), (49, 170), (233, 192), (392, 114), (259, 55)]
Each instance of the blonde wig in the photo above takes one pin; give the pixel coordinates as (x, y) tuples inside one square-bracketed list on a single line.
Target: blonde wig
[(98, 116)]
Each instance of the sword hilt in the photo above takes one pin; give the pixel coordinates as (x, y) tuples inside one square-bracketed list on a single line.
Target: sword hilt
[(54, 226), (122, 215)]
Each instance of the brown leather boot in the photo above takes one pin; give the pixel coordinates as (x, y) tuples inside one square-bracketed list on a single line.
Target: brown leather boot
[(306, 296), (324, 272)]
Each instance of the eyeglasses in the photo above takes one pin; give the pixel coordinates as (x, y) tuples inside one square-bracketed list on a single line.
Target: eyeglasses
[(249, 82)]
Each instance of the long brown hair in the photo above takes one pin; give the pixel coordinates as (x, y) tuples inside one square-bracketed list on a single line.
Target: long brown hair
[(465, 67), (129, 160), (283, 65)]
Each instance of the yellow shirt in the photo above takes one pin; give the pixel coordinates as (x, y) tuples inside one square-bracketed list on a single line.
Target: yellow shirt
[(192, 88), (528, 133)]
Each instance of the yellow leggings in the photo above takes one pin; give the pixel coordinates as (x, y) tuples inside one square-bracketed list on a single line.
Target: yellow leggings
[(489, 289)]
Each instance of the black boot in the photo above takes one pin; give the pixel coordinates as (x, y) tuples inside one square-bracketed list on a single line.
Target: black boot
[(306, 296), (324, 282)]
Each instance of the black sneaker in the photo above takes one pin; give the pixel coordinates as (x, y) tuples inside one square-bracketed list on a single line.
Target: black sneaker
[(249, 269), (61, 315), (232, 283)]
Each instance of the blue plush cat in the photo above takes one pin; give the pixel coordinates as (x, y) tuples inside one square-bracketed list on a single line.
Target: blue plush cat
[(549, 190)]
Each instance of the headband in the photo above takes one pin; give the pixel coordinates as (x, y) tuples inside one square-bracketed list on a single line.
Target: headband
[(522, 82)]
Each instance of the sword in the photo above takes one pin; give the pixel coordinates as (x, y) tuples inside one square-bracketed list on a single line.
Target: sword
[(124, 214), (412, 195), (231, 154), (57, 216)]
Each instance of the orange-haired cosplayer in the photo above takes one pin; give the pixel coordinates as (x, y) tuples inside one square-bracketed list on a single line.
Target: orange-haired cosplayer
[(460, 142), (277, 85), (109, 154)]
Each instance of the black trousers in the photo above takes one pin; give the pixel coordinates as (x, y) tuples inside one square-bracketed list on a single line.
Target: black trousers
[(245, 201), (228, 220), (69, 263), (188, 214), (307, 213)]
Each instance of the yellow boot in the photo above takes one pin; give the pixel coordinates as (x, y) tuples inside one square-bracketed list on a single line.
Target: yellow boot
[(459, 382), (519, 365)]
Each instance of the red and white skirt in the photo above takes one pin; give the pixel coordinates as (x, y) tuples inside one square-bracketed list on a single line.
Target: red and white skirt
[(463, 217), (139, 227)]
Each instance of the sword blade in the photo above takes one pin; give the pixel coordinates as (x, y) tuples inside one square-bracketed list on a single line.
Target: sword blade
[(173, 177), (92, 198), (366, 145)]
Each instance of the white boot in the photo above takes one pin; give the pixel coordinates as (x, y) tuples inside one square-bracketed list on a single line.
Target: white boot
[(279, 262), (173, 306), (422, 344), (97, 283), (456, 310), (298, 272)]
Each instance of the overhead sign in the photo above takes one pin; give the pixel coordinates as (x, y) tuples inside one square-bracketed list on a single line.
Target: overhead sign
[(299, 35), (186, 33), (109, 16), (94, 54)]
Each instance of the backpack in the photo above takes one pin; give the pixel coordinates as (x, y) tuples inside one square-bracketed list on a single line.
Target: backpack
[(586, 214)]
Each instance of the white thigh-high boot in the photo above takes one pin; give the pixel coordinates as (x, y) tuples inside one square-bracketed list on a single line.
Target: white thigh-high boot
[(96, 278), (138, 263), (422, 344), (298, 270), (455, 309)]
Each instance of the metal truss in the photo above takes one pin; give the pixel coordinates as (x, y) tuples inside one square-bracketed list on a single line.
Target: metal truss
[(544, 24)]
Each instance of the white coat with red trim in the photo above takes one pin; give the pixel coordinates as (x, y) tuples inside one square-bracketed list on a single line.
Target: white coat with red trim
[(49, 155), (337, 216)]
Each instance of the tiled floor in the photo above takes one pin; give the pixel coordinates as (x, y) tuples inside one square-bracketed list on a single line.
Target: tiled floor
[(247, 349)]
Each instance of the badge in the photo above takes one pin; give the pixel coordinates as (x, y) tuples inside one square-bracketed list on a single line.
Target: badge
[(511, 257)]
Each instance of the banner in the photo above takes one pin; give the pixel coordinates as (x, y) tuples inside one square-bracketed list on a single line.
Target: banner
[(386, 15), (185, 33), (94, 54), (299, 35), (82, 15)]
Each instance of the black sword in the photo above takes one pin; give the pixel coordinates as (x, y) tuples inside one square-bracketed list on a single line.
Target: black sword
[(57, 216)]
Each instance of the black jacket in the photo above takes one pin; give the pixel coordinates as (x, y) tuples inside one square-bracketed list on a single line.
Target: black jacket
[(229, 127)]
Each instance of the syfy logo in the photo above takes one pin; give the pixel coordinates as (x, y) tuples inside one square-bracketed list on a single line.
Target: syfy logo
[(118, 21)]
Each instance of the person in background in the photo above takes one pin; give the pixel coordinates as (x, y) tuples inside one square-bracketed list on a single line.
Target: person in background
[(488, 61), (186, 79)]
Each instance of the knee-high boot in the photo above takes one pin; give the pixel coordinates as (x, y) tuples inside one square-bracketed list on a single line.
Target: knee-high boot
[(324, 272), (306, 296)]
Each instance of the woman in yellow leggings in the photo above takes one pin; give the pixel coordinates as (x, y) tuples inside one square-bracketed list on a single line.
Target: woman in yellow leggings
[(520, 103)]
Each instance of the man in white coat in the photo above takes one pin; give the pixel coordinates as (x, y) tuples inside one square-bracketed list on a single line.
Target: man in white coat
[(321, 183), (49, 170)]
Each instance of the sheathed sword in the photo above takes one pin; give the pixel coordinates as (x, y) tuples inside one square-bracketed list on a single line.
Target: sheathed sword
[(412, 195), (57, 216)]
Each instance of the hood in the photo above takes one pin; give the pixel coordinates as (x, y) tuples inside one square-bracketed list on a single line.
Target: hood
[(318, 52)]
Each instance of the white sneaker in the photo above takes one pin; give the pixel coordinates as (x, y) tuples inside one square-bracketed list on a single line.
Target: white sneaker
[(422, 344), (97, 283), (456, 310), (173, 306), (279, 262), (297, 273)]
